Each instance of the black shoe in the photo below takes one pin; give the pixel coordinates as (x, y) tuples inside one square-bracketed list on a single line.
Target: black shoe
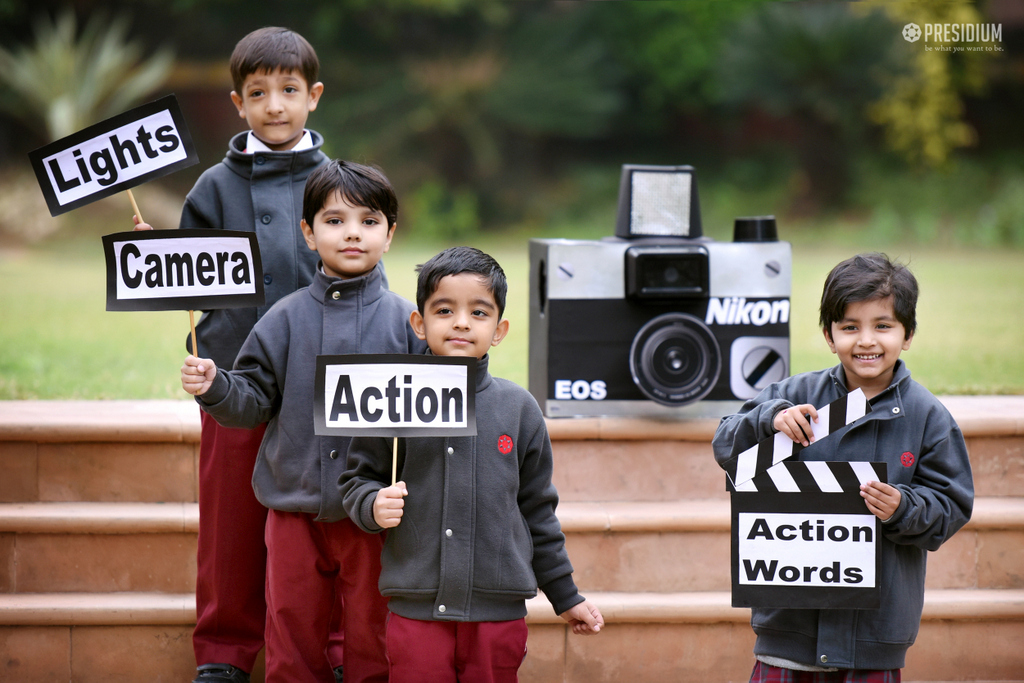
[(220, 673), (339, 675)]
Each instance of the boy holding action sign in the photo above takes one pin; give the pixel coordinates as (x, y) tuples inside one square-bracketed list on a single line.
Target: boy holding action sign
[(472, 531)]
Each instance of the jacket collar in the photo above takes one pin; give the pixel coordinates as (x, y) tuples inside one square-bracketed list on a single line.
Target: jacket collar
[(483, 377), (369, 286), (241, 162), (888, 403)]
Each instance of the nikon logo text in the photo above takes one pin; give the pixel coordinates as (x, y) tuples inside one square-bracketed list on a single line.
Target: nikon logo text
[(737, 310)]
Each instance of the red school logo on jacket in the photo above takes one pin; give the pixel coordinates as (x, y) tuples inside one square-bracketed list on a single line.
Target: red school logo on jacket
[(505, 444)]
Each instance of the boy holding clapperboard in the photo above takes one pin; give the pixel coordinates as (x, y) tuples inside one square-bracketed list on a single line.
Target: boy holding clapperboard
[(868, 316), (471, 526), (316, 569)]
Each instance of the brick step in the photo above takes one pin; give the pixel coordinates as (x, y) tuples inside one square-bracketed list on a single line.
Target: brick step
[(661, 547), (147, 451), (648, 637)]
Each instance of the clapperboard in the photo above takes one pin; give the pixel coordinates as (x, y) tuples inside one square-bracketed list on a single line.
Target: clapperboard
[(802, 537)]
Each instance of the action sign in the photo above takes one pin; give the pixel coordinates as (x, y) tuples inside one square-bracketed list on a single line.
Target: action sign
[(117, 154), (164, 270), (802, 536), (805, 538), (395, 395)]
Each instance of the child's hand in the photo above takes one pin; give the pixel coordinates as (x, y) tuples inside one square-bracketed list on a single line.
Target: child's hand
[(882, 499), (793, 423), (387, 506), (197, 375), (139, 225), (585, 618)]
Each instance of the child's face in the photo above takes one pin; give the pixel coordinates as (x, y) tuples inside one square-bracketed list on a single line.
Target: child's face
[(460, 318), (275, 105), (350, 239), (868, 341)]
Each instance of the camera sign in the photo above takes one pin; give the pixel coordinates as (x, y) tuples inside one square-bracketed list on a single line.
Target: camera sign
[(162, 270), (395, 395)]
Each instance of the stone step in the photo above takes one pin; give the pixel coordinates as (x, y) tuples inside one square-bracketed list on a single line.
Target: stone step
[(104, 547), (613, 459), (660, 547), (147, 451), (648, 637), (117, 451)]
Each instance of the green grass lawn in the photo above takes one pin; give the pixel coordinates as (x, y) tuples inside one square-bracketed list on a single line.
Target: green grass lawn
[(58, 342)]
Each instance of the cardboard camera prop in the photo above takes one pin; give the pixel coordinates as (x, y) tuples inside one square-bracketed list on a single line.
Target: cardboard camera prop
[(658, 321)]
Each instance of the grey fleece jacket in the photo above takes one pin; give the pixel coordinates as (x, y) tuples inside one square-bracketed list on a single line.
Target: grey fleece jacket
[(926, 458), (273, 381), (478, 533), (259, 193)]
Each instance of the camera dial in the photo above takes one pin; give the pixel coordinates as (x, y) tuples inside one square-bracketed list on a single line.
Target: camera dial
[(674, 359)]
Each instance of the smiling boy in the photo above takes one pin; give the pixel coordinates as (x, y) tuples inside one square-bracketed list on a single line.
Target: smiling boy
[(472, 531), (868, 317), (319, 565)]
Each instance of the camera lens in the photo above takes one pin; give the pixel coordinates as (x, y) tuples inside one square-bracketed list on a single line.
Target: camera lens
[(674, 359)]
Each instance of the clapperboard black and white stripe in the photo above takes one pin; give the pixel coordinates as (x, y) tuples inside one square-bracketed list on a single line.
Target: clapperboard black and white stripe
[(758, 459), (795, 476)]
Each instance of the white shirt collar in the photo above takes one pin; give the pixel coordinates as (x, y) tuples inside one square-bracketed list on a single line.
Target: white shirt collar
[(253, 144)]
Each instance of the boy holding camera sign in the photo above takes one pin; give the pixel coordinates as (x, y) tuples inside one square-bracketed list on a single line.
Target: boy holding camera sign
[(319, 565), (868, 317), (472, 531)]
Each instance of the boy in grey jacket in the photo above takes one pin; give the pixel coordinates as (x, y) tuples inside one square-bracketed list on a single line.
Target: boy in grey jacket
[(315, 568), (868, 316), (257, 187), (472, 531)]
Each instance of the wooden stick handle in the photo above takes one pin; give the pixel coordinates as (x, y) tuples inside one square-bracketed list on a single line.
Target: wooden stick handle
[(394, 462), (192, 324), (138, 214)]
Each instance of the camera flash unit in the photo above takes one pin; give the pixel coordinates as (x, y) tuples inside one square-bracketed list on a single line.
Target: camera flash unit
[(658, 201)]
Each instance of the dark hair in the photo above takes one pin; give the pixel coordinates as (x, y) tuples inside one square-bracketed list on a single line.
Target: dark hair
[(359, 185), (866, 277), (271, 48), (456, 261)]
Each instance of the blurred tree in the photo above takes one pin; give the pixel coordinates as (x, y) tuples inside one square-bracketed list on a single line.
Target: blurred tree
[(670, 49), (921, 109), (820, 66), (470, 95), (64, 81)]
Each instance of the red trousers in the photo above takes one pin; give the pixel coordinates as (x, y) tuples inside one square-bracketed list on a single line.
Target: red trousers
[(231, 560), (318, 572), (232, 557), (450, 651)]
